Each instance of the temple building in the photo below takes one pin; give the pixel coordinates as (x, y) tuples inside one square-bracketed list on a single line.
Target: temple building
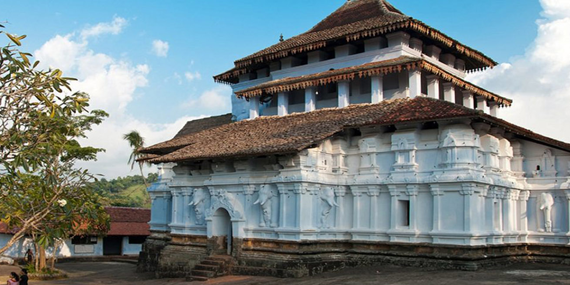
[(357, 142)]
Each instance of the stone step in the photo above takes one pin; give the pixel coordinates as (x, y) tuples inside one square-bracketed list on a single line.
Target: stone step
[(196, 278), (225, 258), (207, 267), (213, 262), (203, 273)]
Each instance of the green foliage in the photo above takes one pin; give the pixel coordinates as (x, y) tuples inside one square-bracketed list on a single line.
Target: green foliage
[(42, 193), (128, 191)]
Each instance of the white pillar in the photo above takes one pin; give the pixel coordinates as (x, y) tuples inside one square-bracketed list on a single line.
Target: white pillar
[(344, 50), (339, 192), (398, 38), (356, 209), (415, 77), (175, 210), (343, 94), (523, 197), (467, 191), (373, 192), (316, 56), (432, 51), (394, 193), (480, 103), (468, 99), (310, 99), (433, 86), (374, 44), (377, 88), (282, 103), (494, 108), (282, 205), (449, 92), (253, 107), (187, 193), (436, 193), (448, 59), (412, 192), (416, 44)]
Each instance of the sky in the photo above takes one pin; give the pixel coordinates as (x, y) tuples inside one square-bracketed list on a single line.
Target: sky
[(149, 64)]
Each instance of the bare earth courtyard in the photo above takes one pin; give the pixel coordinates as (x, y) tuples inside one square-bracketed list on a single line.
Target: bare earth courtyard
[(87, 273)]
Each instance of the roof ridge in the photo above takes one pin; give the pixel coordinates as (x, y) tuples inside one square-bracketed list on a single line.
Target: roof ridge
[(343, 16)]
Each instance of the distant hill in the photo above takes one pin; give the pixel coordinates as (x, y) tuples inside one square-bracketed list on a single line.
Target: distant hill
[(126, 191)]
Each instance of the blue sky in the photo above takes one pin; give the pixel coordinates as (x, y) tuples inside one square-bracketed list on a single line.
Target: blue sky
[(108, 46)]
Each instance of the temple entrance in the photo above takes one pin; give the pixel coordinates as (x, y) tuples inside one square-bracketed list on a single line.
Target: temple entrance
[(222, 232)]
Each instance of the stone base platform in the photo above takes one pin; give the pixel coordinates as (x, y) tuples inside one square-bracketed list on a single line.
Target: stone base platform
[(179, 255)]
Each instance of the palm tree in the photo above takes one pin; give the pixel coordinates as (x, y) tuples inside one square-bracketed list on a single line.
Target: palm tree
[(136, 141)]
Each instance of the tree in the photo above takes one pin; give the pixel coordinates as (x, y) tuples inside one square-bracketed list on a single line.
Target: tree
[(42, 193), (136, 142)]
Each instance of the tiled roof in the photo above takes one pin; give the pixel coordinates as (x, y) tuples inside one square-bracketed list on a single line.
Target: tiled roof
[(356, 19), (128, 221), (292, 133), (195, 126), (365, 70), (191, 127)]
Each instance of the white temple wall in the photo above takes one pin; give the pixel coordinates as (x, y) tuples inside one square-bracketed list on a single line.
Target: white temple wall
[(449, 185)]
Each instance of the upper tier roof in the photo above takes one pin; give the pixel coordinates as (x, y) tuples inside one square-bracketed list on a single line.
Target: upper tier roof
[(356, 19)]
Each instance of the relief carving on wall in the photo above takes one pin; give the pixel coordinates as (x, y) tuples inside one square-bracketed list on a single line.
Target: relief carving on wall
[(264, 200), (545, 205), (327, 197), (199, 197)]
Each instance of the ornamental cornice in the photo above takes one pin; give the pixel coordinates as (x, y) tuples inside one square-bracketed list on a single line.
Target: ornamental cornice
[(373, 190), (435, 190), (412, 190), (358, 190), (393, 189), (340, 191), (525, 194), (248, 189), (467, 189)]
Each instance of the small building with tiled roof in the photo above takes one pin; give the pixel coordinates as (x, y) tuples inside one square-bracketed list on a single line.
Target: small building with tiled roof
[(129, 229), (356, 142)]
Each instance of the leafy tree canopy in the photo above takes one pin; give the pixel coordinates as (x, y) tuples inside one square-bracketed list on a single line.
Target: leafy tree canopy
[(42, 192)]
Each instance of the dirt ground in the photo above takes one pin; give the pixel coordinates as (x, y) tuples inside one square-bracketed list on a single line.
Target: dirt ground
[(90, 273)]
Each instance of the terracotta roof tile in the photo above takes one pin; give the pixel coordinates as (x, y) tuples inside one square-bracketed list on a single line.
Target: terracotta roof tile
[(191, 127), (195, 126), (128, 221), (292, 133)]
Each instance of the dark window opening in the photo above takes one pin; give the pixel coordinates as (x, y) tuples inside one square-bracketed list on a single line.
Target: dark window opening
[(84, 240), (137, 239)]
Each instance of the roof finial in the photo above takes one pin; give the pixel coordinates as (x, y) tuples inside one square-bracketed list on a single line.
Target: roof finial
[(281, 38)]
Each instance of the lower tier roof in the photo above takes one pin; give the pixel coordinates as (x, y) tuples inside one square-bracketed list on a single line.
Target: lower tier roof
[(273, 135)]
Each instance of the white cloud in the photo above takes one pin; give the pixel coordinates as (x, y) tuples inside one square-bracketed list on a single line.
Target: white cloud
[(111, 84), (192, 76), (160, 48), (114, 28), (216, 100), (538, 82)]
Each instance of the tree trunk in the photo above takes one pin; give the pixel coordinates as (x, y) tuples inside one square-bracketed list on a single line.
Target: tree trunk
[(42, 259)]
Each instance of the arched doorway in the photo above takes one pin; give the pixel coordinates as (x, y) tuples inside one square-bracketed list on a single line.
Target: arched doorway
[(221, 232)]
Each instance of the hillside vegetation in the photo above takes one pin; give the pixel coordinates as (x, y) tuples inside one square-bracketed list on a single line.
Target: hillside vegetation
[(126, 191)]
